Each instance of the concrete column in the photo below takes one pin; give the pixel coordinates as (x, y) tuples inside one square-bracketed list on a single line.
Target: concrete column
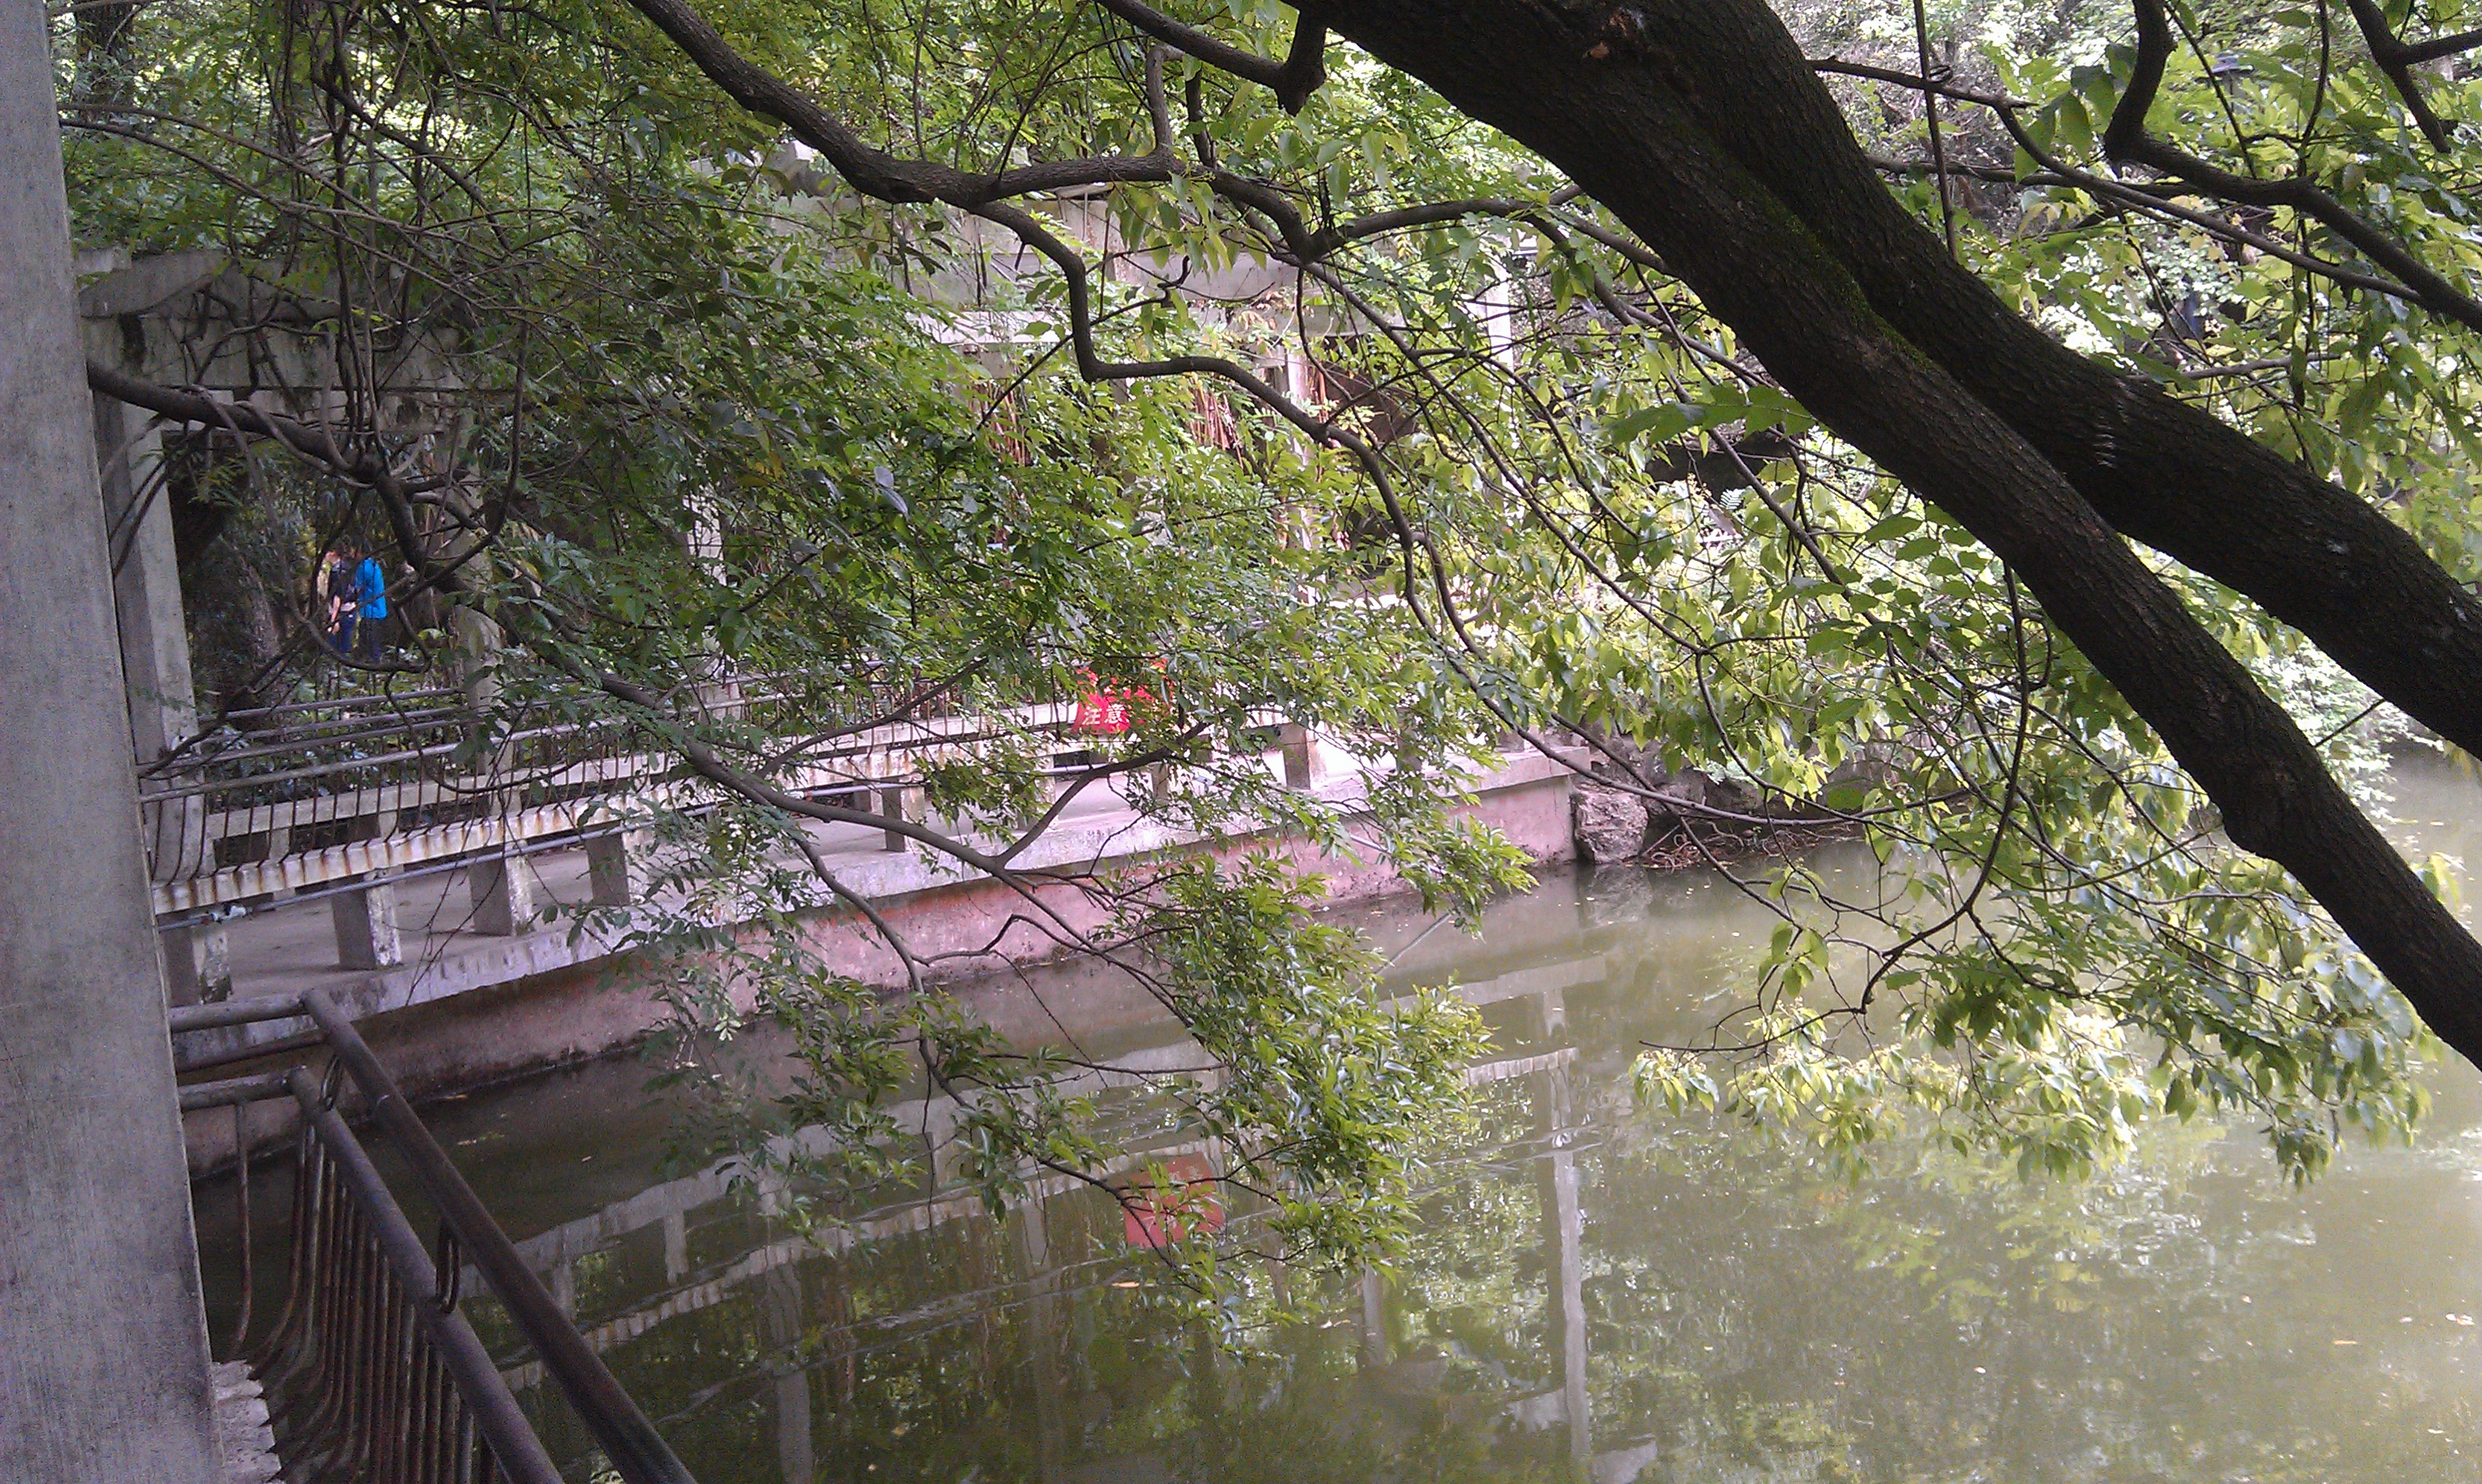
[(1045, 1338), (892, 805), (620, 868), (1375, 1349), (786, 1320), (1300, 756), (477, 656), (198, 963), (940, 1151), (103, 1367), (503, 887), (145, 579), (1563, 1217), (1552, 1015), (155, 674), (677, 1246), (366, 930)]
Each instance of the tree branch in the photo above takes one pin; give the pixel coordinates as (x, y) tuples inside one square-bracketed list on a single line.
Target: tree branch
[(1292, 80)]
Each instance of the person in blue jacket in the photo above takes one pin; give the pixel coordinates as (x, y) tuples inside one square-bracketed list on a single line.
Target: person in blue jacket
[(371, 608)]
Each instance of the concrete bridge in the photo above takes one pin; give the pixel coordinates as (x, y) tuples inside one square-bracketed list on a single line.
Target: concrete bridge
[(463, 937)]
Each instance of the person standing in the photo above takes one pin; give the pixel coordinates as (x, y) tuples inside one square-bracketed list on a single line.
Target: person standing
[(328, 598), (370, 591), (345, 606)]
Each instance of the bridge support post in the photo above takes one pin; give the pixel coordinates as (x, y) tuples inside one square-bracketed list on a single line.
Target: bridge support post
[(103, 1341), (892, 805), (503, 887), (620, 868), (1300, 756), (155, 672), (677, 1246), (198, 963), (366, 930)]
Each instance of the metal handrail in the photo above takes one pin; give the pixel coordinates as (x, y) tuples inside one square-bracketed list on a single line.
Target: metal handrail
[(515, 1447), (628, 1440), (636, 1451)]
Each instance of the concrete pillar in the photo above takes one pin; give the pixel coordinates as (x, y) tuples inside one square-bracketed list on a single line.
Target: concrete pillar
[(145, 579), (1375, 1349), (892, 805), (198, 963), (1552, 1015), (503, 887), (1045, 1338), (620, 868), (677, 1246), (366, 930), (1300, 756), (1563, 1218), (155, 674), (103, 1367), (940, 1149), (787, 1320), (720, 693), (477, 656)]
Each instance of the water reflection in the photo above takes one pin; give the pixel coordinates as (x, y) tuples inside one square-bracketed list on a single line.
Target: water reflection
[(1592, 1293)]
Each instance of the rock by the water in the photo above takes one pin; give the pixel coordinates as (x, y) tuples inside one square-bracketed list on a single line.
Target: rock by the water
[(1610, 825)]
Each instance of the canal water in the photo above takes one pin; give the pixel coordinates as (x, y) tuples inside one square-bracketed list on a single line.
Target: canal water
[(1592, 1292)]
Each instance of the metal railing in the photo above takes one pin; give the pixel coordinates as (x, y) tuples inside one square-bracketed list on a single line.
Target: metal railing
[(337, 790), (371, 1369)]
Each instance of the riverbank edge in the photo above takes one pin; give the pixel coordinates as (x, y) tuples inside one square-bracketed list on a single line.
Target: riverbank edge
[(562, 995)]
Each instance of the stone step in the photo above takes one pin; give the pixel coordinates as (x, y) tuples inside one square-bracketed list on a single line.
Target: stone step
[(242, 1434)]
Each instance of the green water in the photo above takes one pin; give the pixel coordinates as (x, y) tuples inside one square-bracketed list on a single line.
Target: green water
[(1592, 1292)]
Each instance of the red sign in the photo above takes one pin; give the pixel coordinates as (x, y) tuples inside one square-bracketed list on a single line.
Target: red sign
[(1103, 712), (1157, 1215), (1106, 711)]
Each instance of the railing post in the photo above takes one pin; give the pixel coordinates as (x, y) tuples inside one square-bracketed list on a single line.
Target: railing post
[(638, 1452), (518, 1453)]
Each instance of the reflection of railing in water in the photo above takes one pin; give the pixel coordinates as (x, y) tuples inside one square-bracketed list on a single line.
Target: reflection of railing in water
[(372, 1372), (1052, 1256), (669, 1205)]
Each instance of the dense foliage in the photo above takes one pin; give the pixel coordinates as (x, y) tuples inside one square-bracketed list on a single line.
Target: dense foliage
[(706, 444)]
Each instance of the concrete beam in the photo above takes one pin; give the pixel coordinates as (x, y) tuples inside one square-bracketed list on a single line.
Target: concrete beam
[(103, 1343)]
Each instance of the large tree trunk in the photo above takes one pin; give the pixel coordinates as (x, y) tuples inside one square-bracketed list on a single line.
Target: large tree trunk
[(2162, 472), (1625, 132)]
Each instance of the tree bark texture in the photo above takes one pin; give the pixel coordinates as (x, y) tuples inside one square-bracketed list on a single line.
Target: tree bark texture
[(1585, 88)]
